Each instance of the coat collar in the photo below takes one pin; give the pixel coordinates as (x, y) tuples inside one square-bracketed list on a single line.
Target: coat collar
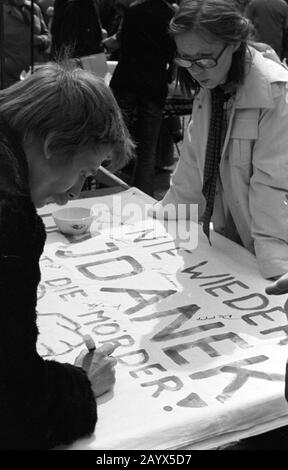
[(263, 72), (256, 91)]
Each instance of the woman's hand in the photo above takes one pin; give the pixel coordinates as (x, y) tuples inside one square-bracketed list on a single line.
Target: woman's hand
[(99, 367), (279, 287), (111, 43)]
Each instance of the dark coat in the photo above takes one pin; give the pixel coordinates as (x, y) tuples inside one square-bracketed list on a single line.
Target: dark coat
[(42, 403), (17, 39), (270, 19), (76, 23), (146, 50)]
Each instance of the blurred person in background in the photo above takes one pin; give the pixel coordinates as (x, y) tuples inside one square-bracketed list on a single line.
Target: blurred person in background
[(112, 43), (17, 38), (270, 20), (44, 5), (242, 5), (49, 15), (140, 82), (108, 13), (76, 27)]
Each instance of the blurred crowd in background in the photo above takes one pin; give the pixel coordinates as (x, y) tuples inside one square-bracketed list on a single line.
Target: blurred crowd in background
[(134, 34)]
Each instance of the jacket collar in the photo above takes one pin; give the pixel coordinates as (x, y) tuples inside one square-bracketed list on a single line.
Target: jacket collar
[(263, 72)]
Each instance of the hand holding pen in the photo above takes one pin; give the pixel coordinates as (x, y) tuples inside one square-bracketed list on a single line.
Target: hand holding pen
[(98, 365), (89, 343)]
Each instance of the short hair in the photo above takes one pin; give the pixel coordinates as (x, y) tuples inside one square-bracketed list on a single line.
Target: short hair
[(223, 20), (68, 108)]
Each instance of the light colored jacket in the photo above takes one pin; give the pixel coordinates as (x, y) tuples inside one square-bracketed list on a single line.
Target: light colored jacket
[(251, 201)]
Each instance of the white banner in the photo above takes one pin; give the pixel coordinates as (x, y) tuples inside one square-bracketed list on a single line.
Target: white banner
[(201, 348)]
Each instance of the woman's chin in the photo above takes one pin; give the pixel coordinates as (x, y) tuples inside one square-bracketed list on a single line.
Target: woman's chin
[(39, 204), (207, 84)]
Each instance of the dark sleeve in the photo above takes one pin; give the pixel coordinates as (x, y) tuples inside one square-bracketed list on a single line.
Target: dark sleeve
[(80, 30), (285, 38), (44, 33), (42, 403), (64, 28), (56, 27), (286, 381)]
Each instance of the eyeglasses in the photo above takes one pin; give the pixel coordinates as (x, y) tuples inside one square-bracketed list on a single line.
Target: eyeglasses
[(204, 63)]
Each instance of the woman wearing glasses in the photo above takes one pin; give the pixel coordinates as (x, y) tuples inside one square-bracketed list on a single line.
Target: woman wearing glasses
[(234, 161)]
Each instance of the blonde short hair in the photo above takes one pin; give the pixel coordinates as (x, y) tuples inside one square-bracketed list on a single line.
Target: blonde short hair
[(68, 108)]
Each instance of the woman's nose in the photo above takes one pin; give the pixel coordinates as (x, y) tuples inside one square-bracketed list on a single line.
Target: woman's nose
[(75, 190), (196, 70)]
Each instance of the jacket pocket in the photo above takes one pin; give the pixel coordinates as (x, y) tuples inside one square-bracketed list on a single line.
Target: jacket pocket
[(242, 138)]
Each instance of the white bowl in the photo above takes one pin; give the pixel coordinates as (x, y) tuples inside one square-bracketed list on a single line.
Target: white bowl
[(73, 220)]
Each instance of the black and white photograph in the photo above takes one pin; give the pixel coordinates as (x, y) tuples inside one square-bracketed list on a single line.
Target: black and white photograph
[(143, 228)]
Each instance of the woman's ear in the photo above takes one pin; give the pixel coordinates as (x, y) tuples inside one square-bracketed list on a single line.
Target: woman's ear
[(46, 150)]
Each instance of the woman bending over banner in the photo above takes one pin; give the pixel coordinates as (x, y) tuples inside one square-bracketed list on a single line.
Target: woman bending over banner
[(234, 161), (56, 128)]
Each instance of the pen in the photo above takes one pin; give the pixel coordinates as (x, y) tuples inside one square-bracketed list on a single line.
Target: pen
[(89, 343)]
